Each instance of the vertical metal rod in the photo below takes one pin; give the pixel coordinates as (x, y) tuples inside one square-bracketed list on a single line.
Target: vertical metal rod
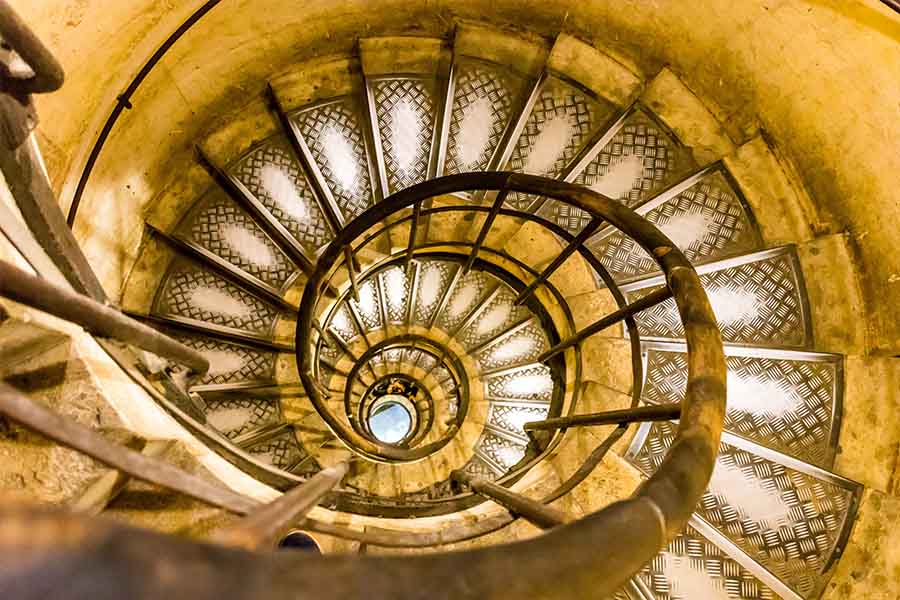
[(533, 511), (568, 251), (413, 229), (264, 526), (486, 227), (99, 319), (648, 301), (351, 269), (638, 414)]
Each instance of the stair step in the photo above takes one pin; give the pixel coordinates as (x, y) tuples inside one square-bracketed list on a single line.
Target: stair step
[(685, 114), (787, 515)]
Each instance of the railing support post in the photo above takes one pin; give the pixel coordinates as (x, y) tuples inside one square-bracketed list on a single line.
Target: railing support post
[(663, 412), (263, 527), (99, 319), (652, 299), (533, 511)]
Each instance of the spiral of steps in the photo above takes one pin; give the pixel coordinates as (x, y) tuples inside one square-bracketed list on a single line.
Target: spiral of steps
[(457, 338)]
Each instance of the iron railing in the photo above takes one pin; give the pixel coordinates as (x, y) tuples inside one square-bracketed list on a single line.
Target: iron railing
[(592, 556)]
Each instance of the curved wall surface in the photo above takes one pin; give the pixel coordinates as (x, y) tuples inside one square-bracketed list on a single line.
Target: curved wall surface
[(821, 77)]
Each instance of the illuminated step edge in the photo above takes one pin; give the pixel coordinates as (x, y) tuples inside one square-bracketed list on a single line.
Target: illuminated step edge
[(767, 308), (816, 584), (815, 443)]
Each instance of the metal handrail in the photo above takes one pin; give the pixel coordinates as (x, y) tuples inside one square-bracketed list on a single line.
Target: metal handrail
[(99, 319), (48, 73), (592, 557), (674, 489)]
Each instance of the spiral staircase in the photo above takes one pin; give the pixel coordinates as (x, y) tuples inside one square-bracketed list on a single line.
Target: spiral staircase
[(348, 307)]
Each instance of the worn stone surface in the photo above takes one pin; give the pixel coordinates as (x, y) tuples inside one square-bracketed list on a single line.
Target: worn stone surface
[(59, 379), (518, 50), (782, 209), (870, 424), (607, 361), (870, 566), (835, 299), (589, 307), (387, 55), (595, 70), (678, 107)]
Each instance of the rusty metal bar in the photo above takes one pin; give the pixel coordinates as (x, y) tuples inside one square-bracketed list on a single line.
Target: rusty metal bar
[(101, 320), (662, 412), (75, 556), (486, 228), (123, 102), (413, 228), (48, 73), (557, 262), (533, 511), (266, 525), (22, 166), (648, 301), (351, 269), (18, 407), (109, 485)]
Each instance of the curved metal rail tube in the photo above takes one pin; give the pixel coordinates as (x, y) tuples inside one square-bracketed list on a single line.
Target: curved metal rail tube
[(77, 557), (97, 318), (48, 73), (681, 479)]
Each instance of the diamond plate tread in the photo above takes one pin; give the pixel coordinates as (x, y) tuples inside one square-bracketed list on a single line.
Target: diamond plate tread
[(787, 520), (342, 324), (395, 289), (693, 568), (526, 383), (502, 453), (511, 417), (707, 222), (282, 451), (522, 346), (196, 293), (558, 102), (497, 316), (274, 176), (663, 161), (445, 380), (369, 306), (484, 98), (218, 224), (787, 404), (229, 363), (469, 290), (478, 467), (404, 109), (236, 415), (757, 303), (335, 136), (624, 594), (433, 279)]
